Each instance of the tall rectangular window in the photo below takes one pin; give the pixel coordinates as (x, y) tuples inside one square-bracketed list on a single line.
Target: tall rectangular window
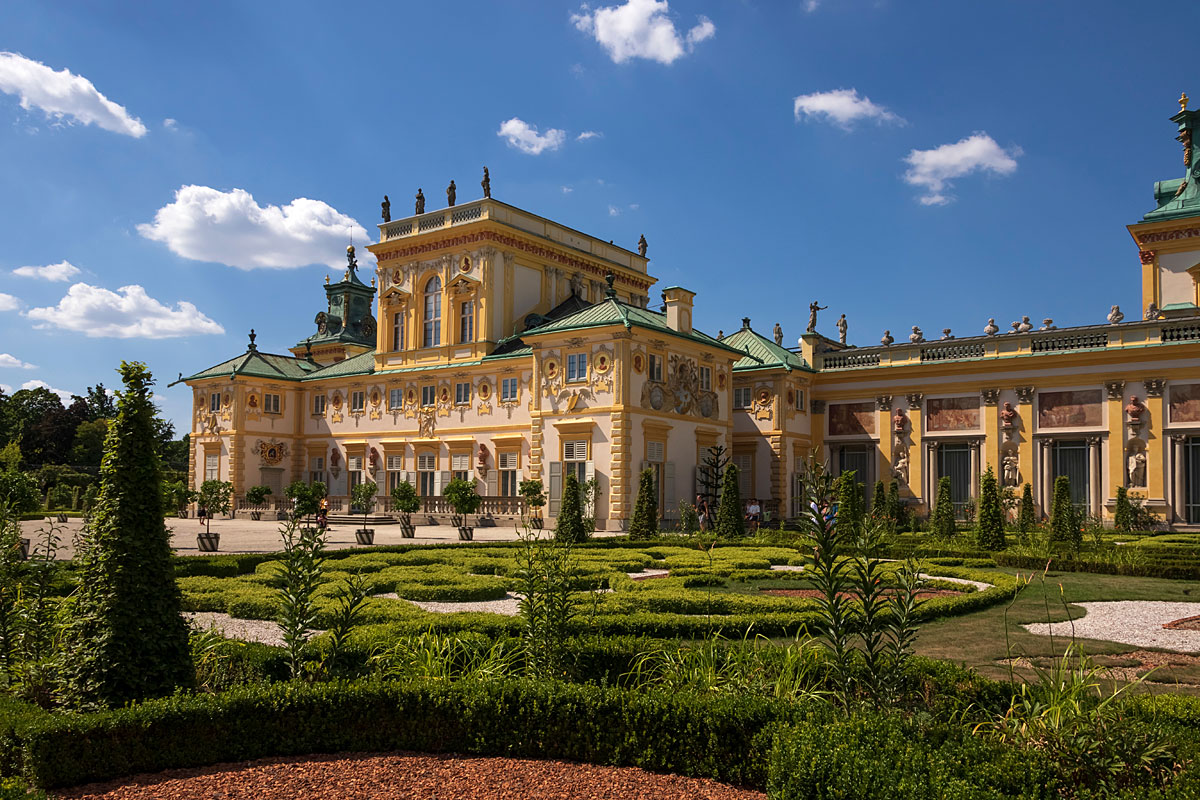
[(212, 468), (799, 399), (395, 472), (1070, 458), (271, 403), (319, 404), (705, 374), (466, 321), (655, 369), (953, 462), (316, 469), (214, 402), (428, 396), (398, 330), (745, 464), (507, 464), (575, 456), (462, 394), (427, 474), (460, 466), (508, 389), (358, 400), (395, 399), (741, 397), (577, 367)]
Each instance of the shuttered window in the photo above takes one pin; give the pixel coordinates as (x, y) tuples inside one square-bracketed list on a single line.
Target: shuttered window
[(395, 463), (212, 468), (654, 451), (575, 450)]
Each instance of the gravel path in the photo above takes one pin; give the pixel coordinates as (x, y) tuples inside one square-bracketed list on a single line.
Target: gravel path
[(508, 606), (247, 630), (787, 567), (1136, 622), (980, 585), (395, 776)]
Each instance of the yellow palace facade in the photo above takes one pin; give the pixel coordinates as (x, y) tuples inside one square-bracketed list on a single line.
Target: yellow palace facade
[(497, 345)]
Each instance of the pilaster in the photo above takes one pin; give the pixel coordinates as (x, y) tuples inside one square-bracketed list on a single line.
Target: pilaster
[(991, 432), (883, 408), (916, 454), (1114, 405), (1025, 454), (1156, 454)]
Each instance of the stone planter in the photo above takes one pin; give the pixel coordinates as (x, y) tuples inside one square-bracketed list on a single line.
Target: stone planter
[(24, 549), (407, 529), (365, 536), (466, 533), (61, 518), (208, 542), (255, 515), (182, 513), (281, 516), (536, 523), (457, 520)]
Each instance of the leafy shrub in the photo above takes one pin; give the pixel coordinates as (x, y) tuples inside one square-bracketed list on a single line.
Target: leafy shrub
[(644, 524), (19, 492), (1064, 519), (257, 495), (462, 497), (1027, 516), (730, 521), (569, 525), (943, 525), (405, 498)]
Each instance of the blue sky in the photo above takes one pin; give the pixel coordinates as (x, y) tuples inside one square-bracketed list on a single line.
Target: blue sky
[(175, 175)]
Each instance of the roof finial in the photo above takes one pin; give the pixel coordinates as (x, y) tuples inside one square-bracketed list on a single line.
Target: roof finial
[(350, 258), (308, 356), (745, 322), (326, 278), (1183, 101), (610, 292), (253, 336)]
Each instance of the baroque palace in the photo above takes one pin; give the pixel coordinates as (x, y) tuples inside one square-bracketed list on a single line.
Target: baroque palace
[(498, 345)]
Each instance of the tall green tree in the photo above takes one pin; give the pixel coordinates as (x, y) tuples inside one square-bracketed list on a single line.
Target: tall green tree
[(879, 503), (730, 520), (645, 509), (100, 404), (1064, 518), (1027, 515), (989, 531), (894, 507), (127, 639), (569, 525), (850, 512), (943, 524)]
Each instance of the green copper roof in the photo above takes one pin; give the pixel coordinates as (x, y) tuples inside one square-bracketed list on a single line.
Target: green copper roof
[(762, 353), (1178, 198), (614, 312), (259, 365), (361, 364)]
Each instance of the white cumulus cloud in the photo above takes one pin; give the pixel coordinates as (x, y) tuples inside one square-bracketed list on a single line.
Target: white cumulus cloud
[(124, 314), (842, 107), (12, 362), (8, 302), (62, 271), (63, 394), (932, 170), (525, 137), (583, 137), (63, 95), (206, 224), (641, 29), (613, 211)]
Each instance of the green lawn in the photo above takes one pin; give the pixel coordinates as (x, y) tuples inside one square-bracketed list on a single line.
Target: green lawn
[(978, 639)]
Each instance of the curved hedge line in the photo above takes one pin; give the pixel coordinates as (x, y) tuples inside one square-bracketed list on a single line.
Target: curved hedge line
[(723, 738)]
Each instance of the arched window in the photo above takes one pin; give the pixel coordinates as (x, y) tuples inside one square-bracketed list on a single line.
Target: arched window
[(433, 312), (466, 321)]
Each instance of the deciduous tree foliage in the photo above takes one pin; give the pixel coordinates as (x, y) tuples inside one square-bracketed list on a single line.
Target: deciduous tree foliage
[(127, 640)]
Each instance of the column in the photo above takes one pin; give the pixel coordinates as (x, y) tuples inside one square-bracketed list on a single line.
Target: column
[(1046, 490), (1115, 392), (1156, 454), (1178, 494), (816, 431), (883, 468), (991, 431), (975, 473), (916, 467), (1094, 466), (929, 478)]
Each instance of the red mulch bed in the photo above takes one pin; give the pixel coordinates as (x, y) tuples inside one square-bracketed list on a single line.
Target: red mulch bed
[(1185, 624), (813, 593), (400, 776)]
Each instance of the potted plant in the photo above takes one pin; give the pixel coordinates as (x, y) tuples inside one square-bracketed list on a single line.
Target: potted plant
[(535, 498), (256, 496), (461, 494), (406, 501), (214, 497), (362, 496), (176, 495)]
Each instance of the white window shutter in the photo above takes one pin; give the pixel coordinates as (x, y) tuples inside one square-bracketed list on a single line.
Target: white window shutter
[(556, 468), (698, 481), (669, 489), (443, 478), (589, 474), (493, 483)]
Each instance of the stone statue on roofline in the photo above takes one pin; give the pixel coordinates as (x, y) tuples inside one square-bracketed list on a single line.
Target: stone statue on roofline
[(386, 209), (917, 335), (1115, 317), (451, 194), (1152, 311), (946, 334), (813, 308), (778, 335), (887, 339), (991, 329), (642, 246), (486, 183), (841, 326), (420, 206)]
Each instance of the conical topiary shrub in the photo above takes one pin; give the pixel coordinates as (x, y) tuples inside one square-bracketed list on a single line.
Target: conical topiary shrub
[(1027, 520), (1064, 519), (730, 521), (127, 640), (1123, 514), (943, 523), (569, 525), (989, 531), (645, 510)]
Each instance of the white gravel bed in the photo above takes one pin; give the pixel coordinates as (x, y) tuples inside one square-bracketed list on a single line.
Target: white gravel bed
[(787, 567), (648, 573), (980, 585), (247, 630), (1136, 622), (508, 606)]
